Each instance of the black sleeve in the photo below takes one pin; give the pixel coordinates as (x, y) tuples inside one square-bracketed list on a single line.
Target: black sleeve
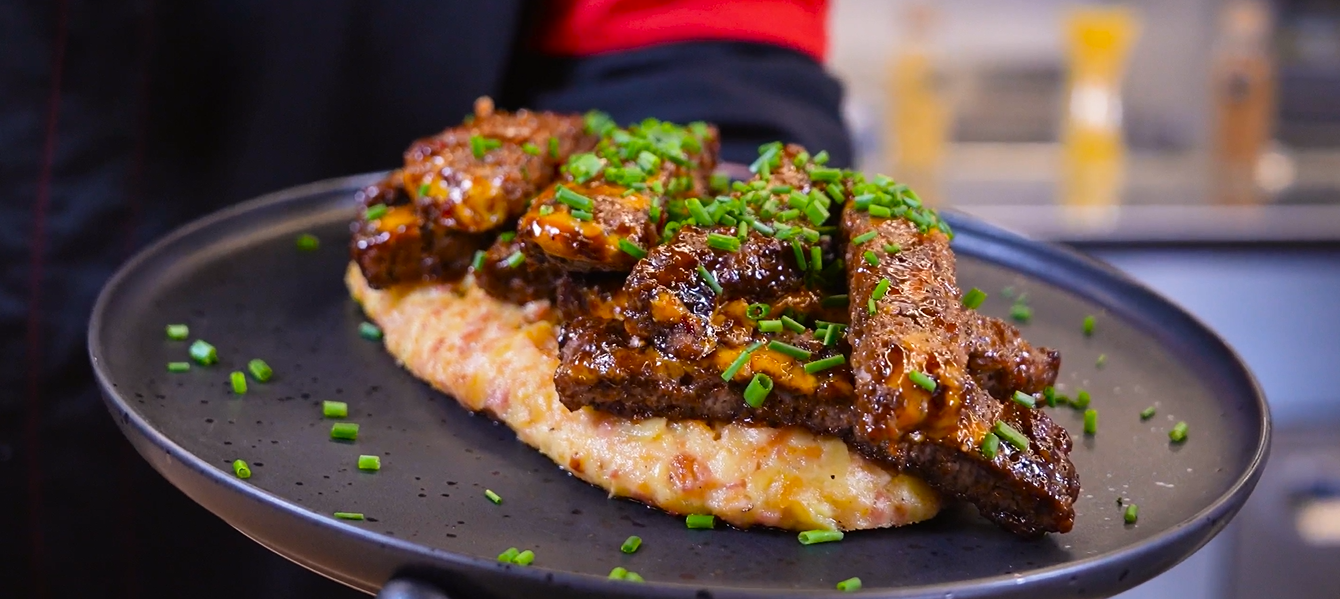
[(755, 93)]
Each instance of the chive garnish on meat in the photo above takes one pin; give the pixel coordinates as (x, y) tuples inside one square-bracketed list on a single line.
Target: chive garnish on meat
[(825, 364), (789, 350), (757, 391), (990, 446), (1024, 399), (710, 279), (1010, 435), (922, 380)]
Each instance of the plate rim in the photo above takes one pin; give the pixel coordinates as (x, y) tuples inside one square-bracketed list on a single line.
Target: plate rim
[(1206, 523)]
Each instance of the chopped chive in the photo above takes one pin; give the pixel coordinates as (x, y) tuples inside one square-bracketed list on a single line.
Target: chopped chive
[(834, 301), (376, 211), (1178, 432), (334, 409), (525, 558), (506, 557), (582, 215), (514, 260), (1147, 413), (740, 361), (260, 370), (789, 350), (632, 249), (831, 335), (811, 537), (757, 311), (816, 213), (825, 174), (1025, 400), (757, 391), (308, 242), (816, 258), (821, 158), (178, 332), (871, 258), (973, 298), (1131, 514), (631, 544), (1021, 312), (990, 446), (762, 228), (546, 210), (618, 573), (530, 148), (791, 323), (864, 237), (494, 497), (881, 289), (922, 380), (723, 242), (825, 364), (701, 521), (850, 585), (239, 382), (800, 255), (634, 577), (1101, 361), (507, 237), (370, 463), (203, 352), (573, 199), (241, 469), (1082, 400), (870, 306), (347, 431), (350, 515), (770, 326), (179, 366), (893, 248), (423, 190), (553, 147), (880, 211), (1011, 435), (791, 214), (699, 214), (478, 261), (480, 145), (1049, 394), (1091, 421), (1088, 325), (370, 331), (711, 280)]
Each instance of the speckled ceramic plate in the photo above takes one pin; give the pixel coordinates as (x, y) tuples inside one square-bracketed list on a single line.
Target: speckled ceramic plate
[(238, 280)]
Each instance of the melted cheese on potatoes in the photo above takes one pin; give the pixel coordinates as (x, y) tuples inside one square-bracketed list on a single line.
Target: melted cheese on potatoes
[(500, 358)]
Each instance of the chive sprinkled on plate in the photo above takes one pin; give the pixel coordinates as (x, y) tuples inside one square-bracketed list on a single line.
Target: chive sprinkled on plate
[(350, 515), (308, 242), (990, 446), (633, 577), (1024, 399), (850, 585), (260, 370), (922, 380), (238, 381), (370, 331), (701, 521), (494, 497), (1089, 322), (525, 558), (506, 557), (811, 537), (203, 353), (370, 463), (345, 431), (973, 298), (631, 544), (1090, 421), (618, 573), (178, 332), (825, 364), (1082, 400), (1101, 361), (334, 409), (1131, 514), (178, 366), (1178, 432), (757, 391), (1010, 435), (1147, 413), (241, 469), (1020, 312)]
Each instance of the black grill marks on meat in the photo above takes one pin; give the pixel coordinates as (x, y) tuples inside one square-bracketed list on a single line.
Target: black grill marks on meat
[(919, 326)]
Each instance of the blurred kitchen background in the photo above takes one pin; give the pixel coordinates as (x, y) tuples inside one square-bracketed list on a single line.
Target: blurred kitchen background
[(1194, 144)]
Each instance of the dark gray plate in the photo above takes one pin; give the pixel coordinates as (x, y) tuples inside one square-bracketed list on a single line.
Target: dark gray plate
[(237, 279)]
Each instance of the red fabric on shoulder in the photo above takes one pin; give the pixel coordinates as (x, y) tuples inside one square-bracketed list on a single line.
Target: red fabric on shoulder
[(586, 27)]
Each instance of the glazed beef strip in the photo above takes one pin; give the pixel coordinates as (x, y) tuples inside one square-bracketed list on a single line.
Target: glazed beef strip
[(1002, 361), (457, 188)]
